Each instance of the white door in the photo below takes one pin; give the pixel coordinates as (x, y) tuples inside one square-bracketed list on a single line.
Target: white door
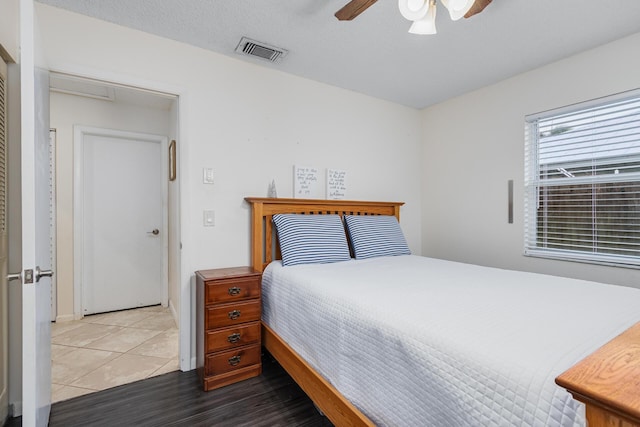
[(36, 289), (123, 220)]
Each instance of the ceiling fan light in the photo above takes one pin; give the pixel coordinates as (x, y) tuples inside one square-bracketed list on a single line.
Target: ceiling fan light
[(426, 25), (457, 8), (413, 10)]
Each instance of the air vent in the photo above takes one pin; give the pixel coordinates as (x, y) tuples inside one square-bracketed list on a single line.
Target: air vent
[(260, 50)]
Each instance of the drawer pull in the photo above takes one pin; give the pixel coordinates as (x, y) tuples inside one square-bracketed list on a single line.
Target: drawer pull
[(235, 291), (233, 361), (233, 315), (234, 338)]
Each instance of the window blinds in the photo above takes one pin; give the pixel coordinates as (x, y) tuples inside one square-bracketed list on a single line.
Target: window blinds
[(582, 182)]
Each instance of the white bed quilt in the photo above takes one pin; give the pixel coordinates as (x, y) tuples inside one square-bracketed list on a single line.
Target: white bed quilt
[(415, 341)]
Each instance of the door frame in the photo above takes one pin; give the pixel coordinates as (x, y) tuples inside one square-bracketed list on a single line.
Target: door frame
[(4, 254), (79, 133), (36, 297), (53, 230)]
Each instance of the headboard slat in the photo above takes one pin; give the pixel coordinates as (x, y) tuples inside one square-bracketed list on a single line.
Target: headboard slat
[(268, 236), (262, 210)]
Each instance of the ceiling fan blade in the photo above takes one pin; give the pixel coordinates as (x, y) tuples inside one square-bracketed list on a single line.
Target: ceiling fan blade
[(353, 9), (477, 7)]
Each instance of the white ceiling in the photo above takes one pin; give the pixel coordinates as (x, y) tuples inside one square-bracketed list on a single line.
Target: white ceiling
[(374, 54)]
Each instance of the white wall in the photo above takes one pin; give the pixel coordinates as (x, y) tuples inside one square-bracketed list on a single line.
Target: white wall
[(67, 111), (474, 144), (251, 125)]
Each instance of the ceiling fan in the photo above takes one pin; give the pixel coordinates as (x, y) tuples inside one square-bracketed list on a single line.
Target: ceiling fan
[(421, 12)]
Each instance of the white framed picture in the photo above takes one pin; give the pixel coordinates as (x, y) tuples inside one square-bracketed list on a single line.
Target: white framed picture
[(305, 183), (336, 184)]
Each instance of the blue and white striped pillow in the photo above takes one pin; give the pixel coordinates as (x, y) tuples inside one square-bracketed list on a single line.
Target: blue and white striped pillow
[(376, 235), (311, 239)]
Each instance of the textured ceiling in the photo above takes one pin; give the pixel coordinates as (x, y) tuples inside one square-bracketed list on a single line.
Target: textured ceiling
[(374, 54)]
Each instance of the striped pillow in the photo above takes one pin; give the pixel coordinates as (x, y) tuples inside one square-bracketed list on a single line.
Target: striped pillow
[(311, 239), (374, 236)]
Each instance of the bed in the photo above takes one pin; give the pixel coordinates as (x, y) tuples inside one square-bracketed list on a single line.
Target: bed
[(495, 340)]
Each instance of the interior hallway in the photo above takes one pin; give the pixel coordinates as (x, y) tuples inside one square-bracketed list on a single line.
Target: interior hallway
[(106, 350)]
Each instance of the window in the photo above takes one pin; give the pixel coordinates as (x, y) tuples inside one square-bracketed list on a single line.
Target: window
[(582, 182)]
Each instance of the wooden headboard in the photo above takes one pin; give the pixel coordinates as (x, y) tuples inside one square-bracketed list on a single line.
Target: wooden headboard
[(263, 209)]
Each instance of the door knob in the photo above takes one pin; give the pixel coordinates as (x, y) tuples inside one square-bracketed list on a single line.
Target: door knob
[(155, 232), (43, 273)]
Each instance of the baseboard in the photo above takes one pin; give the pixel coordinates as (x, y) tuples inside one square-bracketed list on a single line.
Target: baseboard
[(172, 308), (174, 313), (65, 318), (15, 409), (4, 408)]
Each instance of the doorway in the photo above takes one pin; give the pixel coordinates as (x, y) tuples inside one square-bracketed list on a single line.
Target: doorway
[(122, 131), (86, 108)]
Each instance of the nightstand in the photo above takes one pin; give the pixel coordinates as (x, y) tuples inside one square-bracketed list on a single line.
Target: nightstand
[(228, 325)]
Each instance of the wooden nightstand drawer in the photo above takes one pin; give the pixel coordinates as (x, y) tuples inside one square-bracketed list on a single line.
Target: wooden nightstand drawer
[(229, 290), (227, 338), (232, 314), (226, 361)]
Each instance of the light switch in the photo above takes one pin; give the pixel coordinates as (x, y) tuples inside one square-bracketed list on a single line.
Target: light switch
[(207, 175), (209, 218)]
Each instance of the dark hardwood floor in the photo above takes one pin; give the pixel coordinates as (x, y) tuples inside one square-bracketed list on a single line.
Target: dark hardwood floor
[(177, 399)]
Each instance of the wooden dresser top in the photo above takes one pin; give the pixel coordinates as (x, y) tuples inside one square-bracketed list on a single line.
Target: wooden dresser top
[(610, 377), (227, 273)]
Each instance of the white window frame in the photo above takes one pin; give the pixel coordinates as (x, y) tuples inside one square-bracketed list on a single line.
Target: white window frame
[(535, 181)]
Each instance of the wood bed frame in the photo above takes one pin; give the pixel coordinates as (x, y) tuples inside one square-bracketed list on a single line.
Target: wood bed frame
[(611, 399), (264, 249)]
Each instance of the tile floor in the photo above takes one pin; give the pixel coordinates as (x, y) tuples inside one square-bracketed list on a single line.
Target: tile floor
[(111, 349)]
